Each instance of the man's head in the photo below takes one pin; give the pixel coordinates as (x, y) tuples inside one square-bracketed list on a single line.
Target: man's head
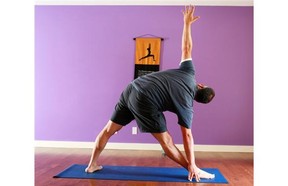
[(204, 94)]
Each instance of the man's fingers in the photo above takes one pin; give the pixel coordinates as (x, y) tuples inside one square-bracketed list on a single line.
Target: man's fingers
[(192, 8), (186, 9), (189, 10), (197, 176), (195, 18), (190, 176)]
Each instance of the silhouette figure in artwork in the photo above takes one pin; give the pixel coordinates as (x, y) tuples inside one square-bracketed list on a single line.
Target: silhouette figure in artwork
[(149, 53)]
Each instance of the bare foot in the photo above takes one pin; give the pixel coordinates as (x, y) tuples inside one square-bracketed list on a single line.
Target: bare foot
[(91, 169), (206, 175)]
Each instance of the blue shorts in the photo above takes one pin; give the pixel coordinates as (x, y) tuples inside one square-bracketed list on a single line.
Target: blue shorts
[(135, 105)]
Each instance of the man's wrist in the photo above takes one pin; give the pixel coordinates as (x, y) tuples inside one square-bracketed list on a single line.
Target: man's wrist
[(192, 162), (187, 24), (192, 165)]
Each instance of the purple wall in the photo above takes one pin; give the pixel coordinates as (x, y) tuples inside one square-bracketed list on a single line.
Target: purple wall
[(84, 57)]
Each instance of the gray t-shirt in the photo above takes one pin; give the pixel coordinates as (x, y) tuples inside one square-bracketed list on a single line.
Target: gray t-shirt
[(171, 90)]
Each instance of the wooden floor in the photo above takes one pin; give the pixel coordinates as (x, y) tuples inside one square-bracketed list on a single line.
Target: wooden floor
[(236, 167)]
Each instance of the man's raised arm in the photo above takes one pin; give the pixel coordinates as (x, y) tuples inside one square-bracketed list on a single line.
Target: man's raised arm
[(187, 44)]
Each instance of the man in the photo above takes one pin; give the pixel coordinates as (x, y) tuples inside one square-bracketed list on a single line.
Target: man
[(146, 98)]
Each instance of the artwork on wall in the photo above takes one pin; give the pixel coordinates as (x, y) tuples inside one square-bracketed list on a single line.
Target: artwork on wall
[(147, 55)]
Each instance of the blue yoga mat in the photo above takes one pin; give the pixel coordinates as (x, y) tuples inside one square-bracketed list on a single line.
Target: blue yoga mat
[(136, 173)]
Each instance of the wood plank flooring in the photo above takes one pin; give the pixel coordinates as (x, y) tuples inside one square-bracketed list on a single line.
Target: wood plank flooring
[(236, 167)]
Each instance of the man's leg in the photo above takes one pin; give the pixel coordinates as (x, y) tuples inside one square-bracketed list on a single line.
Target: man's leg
[(100, 144), (175, 154), (170, 149)]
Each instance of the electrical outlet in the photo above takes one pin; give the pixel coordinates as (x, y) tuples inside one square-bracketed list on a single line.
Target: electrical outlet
[(134, 130)]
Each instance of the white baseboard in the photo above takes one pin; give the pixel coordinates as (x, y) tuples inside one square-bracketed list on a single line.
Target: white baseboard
[(142, 146)]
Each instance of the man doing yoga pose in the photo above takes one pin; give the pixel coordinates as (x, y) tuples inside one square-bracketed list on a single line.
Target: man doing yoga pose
[(147, 97)]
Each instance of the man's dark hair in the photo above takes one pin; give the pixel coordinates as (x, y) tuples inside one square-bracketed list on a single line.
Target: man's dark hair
[(204, 95)]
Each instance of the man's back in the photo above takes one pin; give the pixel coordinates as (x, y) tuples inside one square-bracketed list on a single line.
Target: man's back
[(171, 90)]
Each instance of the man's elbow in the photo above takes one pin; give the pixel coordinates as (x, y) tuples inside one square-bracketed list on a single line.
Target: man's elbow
[(186, 52), (186, 48), (187, 134)]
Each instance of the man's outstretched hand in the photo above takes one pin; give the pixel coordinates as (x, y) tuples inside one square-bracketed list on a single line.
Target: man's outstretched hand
[(194, 171), (188, 14)]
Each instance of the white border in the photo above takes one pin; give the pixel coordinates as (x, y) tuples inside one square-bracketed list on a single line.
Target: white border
[(148, 2), (142, 146)]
